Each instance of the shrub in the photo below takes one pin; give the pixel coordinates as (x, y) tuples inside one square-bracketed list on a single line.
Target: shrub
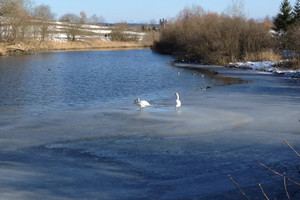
[(212, 38), (292, 37), (120, 33), (292, 41)]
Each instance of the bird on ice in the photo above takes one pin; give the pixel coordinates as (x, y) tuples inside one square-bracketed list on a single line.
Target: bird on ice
[(178, 102), (141, 103)]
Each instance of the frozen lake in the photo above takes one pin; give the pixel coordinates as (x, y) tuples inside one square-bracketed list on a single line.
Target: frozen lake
[(69, 128)]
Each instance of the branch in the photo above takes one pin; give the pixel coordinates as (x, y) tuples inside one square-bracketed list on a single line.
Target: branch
[(262, 190), (286, 191), (275, 172), (286, 142), (238, 187)]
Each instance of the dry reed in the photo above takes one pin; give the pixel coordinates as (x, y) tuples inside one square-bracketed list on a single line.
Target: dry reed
[(285, 187), (238, 187), (275, 172), (262, 190), (2, 51), (266, 55)]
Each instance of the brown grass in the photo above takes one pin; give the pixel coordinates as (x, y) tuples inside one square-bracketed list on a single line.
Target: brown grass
[(295, 63), (266, 55), (86, 44), (90, 44), (2, 51)]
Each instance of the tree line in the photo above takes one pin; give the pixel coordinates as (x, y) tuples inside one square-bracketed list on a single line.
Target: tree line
[(199, 36), (287, 16), (20, 22), (287, 27)]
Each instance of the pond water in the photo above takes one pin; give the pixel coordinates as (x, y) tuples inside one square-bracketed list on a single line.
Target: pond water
[(82, 79), (69, 128)]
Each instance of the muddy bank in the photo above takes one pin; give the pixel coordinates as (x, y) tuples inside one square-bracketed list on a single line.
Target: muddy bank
[(14, 50)]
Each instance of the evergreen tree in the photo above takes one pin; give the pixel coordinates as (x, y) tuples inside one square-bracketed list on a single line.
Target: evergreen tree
[(284, 18), (296, 11)]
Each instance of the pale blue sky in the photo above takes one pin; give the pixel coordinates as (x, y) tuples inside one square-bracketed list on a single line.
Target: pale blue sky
[(136, 11)]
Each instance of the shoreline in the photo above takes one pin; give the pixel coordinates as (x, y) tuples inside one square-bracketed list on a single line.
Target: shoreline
[(265, 66), (91, 49), (88, 45)]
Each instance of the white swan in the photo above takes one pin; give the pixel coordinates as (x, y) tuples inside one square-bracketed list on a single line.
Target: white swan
[(141, 103), (178, 102)]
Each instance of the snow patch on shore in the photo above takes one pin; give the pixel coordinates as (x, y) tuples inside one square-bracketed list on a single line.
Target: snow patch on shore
[(267, 66)]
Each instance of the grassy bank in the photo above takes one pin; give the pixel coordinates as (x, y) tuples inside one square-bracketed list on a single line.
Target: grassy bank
[(90, 44)]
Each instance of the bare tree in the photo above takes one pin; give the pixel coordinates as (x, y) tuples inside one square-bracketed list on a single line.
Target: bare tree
[(292, 43), (94, 19), (83, 17), (118, 33), (153, 24), (101, 19), (72, 25), (189, 13), (16, 17), (236, 9), (44, 15)]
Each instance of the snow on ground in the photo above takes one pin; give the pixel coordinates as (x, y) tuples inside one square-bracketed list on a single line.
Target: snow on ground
[(59, 37), (94, 26), (134, 33), (266, 66), (100, 31), (96, 31)]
